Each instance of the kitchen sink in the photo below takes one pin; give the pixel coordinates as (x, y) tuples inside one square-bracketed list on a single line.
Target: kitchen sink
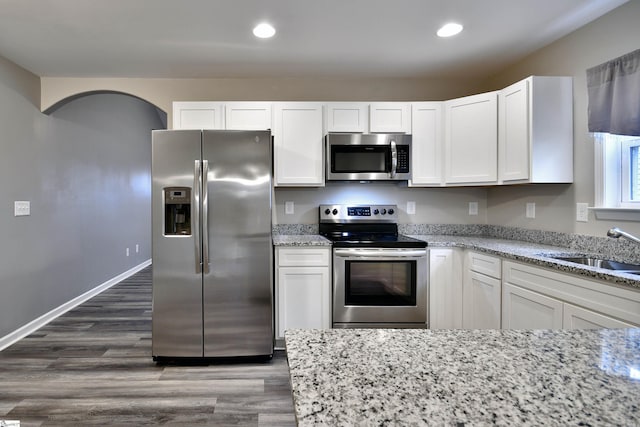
[(620, 267)]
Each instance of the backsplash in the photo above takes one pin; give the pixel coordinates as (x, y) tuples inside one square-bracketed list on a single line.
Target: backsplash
[(616, 249)]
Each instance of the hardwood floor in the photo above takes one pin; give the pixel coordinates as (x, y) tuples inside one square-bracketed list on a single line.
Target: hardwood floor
[(93, 366)]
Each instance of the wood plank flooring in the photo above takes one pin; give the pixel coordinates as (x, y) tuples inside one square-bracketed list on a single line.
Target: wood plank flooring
[(93, 366)]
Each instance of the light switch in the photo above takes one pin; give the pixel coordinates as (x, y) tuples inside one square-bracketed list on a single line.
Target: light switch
[(21, 208), (582, 212), (288, 208), (411, 208)]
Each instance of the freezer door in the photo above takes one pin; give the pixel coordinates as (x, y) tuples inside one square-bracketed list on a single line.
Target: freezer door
[(177, 282), (238, 317)]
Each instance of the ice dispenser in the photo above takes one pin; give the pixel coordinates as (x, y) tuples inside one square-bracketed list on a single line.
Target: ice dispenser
[(177, 211)]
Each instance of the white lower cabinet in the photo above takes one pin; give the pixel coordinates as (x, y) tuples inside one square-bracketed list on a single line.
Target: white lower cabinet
[(303, 289), (575, 317), (539, 298), (445, 288), (524, 309), (481, 290)]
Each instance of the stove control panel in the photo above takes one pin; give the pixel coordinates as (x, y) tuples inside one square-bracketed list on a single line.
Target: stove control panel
[(359, 213)]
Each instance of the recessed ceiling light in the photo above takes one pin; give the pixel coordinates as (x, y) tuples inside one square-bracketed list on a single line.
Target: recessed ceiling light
[(264, 31), (450, 29)]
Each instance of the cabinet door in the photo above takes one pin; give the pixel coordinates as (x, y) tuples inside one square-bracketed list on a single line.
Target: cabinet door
[(248, 115), (523, 309), (427, 143), (298, 144), (198, 115), (581, 318), (481, 301), (389, 117), (303, 295), (445, 289), (347, 117), (471, 139), (513, 132)]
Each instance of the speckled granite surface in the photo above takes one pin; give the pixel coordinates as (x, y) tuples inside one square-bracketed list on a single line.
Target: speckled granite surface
[(531, 246), (300, 240), (398, 377), (532, 253)]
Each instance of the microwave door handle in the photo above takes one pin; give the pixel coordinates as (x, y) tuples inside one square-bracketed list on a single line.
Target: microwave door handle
[(394, 159)]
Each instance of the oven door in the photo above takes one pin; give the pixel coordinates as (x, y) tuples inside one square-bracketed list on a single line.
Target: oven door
[(380, 286)]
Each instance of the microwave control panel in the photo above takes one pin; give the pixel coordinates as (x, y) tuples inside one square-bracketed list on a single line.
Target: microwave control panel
[(403, 159)]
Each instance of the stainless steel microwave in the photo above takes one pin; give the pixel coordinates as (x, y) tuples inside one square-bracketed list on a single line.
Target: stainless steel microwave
[(368, 157)]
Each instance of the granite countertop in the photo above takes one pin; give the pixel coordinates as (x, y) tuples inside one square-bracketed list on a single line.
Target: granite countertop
[(517, 250), (300, 240), (465, 377), (532, 253)]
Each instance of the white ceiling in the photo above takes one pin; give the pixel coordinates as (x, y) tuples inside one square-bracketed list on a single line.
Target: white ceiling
[(315, 38)]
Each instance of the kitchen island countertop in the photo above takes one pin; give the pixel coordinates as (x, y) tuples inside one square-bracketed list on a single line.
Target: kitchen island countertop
[(465, 377)]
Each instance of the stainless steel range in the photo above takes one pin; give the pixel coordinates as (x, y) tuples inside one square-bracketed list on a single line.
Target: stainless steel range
[(379, 276)]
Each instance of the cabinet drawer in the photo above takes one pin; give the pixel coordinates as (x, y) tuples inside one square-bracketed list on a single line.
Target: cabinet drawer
[(302, 257), (485, 264)]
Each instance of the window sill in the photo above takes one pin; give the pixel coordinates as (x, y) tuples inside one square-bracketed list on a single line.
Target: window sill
[(617, 214)]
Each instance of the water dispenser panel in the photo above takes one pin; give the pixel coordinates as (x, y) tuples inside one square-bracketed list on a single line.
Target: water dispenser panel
[(177, 211)]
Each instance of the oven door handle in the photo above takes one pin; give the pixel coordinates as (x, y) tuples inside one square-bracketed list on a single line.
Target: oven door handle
[(414, 253)]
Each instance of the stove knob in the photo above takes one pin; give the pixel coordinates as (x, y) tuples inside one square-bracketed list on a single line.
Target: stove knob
[(384, 211), (376, 211), (335, 211), (391, 211), (327, 211)]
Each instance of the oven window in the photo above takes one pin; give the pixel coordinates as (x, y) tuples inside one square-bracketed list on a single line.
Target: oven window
[(380, 283), (362, 158)]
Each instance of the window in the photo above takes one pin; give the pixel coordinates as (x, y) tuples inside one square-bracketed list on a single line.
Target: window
[(617, 171), (630, 185)]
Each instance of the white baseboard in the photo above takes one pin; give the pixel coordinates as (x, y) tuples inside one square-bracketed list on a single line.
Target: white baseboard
[(36, 324)]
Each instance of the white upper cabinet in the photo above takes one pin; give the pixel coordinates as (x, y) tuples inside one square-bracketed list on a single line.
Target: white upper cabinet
[(427, 144), (471, 140), (298, 144), (248, 115), (347, 117), (535, 131), (198, 115), (389, 117)]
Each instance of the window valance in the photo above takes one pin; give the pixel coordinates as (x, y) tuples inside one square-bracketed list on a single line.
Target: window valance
[(614, 95)]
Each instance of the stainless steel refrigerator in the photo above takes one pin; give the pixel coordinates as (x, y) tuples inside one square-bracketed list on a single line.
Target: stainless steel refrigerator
[(211, 236)]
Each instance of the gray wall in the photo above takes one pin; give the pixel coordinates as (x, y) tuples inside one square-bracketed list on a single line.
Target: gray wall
[(614, 34), (86, 171)]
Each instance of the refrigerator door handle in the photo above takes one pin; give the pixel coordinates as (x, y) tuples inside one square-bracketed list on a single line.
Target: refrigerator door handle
[(197, 180), (205, 216)]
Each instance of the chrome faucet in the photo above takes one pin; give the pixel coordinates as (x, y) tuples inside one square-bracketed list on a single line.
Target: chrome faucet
[(617, 233)]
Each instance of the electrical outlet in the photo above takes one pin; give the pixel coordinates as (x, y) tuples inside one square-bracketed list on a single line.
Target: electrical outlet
[(137, 248), (288, 208), (531, 210), (411, 208), (473, 208), (21, 208), (127, 251), (582, 212)]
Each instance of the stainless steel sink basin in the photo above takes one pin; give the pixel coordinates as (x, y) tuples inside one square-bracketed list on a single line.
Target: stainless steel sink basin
[(620, 267)]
